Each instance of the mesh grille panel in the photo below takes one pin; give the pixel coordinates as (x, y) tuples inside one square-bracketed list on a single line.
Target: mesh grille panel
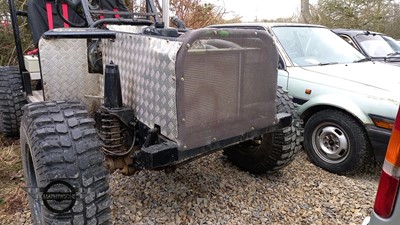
[(228, 89), (210, 82)]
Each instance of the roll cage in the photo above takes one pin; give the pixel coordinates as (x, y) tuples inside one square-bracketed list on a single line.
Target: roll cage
[(94, 18)]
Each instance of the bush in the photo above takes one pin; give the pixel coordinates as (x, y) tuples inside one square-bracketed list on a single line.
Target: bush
[(8, 54)]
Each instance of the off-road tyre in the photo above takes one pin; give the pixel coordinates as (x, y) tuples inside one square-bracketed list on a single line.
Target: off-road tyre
[(12, 100), (277, 149), (284, 104), (345, 136), (59, 143)]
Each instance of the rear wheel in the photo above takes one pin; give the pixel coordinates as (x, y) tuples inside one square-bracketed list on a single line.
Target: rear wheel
[(11, 100), (61, 154), (336, 142), (273, 150)]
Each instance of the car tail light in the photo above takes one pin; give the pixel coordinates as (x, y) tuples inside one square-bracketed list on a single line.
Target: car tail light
[(386, 195), (389, 181), (393, 150)]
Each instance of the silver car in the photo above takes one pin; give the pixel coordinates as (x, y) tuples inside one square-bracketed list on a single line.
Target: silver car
[(348, 102)]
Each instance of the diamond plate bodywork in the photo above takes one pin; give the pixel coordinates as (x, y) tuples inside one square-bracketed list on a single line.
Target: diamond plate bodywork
[(197, 90), (126, 28), (203, 87), (65, 73), (147, 70)]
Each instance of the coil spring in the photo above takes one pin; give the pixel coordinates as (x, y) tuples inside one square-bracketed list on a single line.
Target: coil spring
[(113, 135)]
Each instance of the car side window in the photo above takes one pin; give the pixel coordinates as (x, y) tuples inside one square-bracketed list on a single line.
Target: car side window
[(348, 40), (281, 63)]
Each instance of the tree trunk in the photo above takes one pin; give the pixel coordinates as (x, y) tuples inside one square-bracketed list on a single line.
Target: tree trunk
[(305, 11)]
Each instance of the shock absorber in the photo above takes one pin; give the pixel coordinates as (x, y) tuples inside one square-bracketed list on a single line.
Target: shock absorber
[(115, 125), (113, 133), (112, 87)]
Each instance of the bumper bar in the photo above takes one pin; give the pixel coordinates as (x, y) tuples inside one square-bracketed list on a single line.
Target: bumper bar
[(167, 154), (379, 138)]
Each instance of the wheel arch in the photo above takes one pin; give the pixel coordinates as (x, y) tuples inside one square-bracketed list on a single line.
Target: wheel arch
[(333, 102), (360, 117)]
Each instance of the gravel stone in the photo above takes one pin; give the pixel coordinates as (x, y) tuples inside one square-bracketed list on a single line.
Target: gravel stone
[(213, 191)]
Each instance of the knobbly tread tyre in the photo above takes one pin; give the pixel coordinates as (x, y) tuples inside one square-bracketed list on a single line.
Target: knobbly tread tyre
[(277, 149), (63, 145), (284, 103), (12, 100), (360, 148)]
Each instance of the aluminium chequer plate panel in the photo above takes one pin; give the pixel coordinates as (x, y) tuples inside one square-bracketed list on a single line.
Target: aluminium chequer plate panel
[(65, 73), (147, 69)]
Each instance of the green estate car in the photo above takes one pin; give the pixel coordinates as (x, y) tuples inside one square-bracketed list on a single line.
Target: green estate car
[(348, 102)]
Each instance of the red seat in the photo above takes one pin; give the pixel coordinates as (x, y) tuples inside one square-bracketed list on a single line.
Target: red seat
[(49, 9)]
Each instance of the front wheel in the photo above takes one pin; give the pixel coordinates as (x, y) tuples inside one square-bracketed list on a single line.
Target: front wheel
[(336, 142), (61, 155), (273, 150)]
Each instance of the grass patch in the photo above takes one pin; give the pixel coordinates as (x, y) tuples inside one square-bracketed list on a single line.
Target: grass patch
[(12, 197)]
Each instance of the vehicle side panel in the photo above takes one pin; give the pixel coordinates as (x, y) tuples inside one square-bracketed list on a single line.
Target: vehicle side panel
[(147, 70), (65, 73)]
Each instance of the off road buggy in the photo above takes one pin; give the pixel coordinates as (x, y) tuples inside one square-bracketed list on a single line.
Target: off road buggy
[(166, 97)]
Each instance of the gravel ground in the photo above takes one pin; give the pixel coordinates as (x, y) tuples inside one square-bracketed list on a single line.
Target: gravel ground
[(213, 191)]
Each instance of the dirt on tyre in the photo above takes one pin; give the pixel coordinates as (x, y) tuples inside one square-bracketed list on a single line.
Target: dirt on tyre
[(273, 150), (61, 154), (336, 142), (12, 100)]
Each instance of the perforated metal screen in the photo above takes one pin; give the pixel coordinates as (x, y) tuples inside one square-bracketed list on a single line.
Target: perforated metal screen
[(226, 85)]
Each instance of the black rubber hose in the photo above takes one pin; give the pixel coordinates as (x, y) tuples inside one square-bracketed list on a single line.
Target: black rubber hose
[(178, 22)]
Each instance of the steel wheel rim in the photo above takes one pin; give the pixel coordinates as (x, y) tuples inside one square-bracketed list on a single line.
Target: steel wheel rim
[(331, 143)]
